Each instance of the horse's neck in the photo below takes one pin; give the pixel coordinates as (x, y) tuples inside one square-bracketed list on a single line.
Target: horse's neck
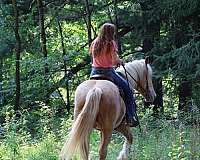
[(133, 78)]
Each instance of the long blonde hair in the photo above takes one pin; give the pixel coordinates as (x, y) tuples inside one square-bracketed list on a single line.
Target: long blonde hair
[(103, 40)]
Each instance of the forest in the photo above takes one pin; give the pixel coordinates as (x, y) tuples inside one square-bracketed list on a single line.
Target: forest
[(44, 56)]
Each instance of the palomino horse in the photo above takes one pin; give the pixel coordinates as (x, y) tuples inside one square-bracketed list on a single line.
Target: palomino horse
[(99, 105)]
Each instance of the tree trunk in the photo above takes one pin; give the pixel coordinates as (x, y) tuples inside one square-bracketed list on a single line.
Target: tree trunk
[(158, 102), (1, 81), (88, 22), (18, 50), (109, 11), (185, 87), (185, 94), (65, 65), (152, 32), (117, 26), (42, 33)]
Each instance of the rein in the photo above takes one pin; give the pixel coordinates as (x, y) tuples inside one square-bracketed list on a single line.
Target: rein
[(138, 84), (130, 88)]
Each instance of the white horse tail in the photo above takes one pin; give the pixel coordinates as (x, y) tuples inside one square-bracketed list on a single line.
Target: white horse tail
[(79, 135)]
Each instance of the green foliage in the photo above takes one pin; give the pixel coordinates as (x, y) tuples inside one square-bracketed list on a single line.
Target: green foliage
[(178, 150), (18, 142), (173, 26), (160, 139)]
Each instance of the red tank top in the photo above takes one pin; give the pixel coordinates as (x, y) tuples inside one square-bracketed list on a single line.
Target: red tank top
[(105, 59)]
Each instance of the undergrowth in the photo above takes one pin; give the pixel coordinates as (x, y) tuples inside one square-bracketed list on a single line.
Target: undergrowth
[(159, 139)]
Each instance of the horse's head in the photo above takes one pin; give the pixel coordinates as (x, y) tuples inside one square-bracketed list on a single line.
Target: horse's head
[(139, 75), (144, 84)]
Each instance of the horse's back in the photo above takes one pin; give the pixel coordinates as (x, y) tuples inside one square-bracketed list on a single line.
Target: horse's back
[(111, 107)]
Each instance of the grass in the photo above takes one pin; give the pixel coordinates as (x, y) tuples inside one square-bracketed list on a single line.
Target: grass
[(159, 140), (169, 143)]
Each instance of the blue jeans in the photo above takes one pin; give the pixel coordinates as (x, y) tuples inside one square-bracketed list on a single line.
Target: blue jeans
[(122, 84)]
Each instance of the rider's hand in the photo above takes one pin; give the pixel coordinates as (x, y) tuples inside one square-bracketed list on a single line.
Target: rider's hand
[(120, 62)]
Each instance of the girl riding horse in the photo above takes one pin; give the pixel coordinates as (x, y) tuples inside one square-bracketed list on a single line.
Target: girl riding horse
[(98, 103), (104, 55)]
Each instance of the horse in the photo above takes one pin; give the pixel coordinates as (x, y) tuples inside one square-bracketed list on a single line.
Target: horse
[(98, 104)]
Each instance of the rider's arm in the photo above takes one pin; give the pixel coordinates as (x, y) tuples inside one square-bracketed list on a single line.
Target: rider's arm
[(115, 57)]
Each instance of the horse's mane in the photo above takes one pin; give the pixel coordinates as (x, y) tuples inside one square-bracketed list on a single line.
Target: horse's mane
[(136, 68), (139, 66)]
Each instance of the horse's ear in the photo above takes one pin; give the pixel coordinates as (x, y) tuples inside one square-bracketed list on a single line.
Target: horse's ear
[(147, 60)]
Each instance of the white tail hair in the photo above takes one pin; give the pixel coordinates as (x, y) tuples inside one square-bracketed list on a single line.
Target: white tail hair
[(79, 135)]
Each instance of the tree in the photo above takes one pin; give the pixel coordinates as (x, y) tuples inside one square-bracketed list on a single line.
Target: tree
[(88, 21), (18, 50), (42, 32), (151, 34), (1, 81), (65, 65)]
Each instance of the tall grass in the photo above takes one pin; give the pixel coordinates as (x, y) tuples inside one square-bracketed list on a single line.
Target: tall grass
[(159, 140)]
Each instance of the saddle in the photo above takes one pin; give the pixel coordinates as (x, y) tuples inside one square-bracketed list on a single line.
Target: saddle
[(101, 77), (105, 77)]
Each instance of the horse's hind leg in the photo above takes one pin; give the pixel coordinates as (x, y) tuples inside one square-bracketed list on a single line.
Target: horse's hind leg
[(125, 130), (105, 139)]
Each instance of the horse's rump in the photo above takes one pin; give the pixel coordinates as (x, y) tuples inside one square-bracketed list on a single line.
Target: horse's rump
[(82, 126), (111, 107), (97, 104)]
